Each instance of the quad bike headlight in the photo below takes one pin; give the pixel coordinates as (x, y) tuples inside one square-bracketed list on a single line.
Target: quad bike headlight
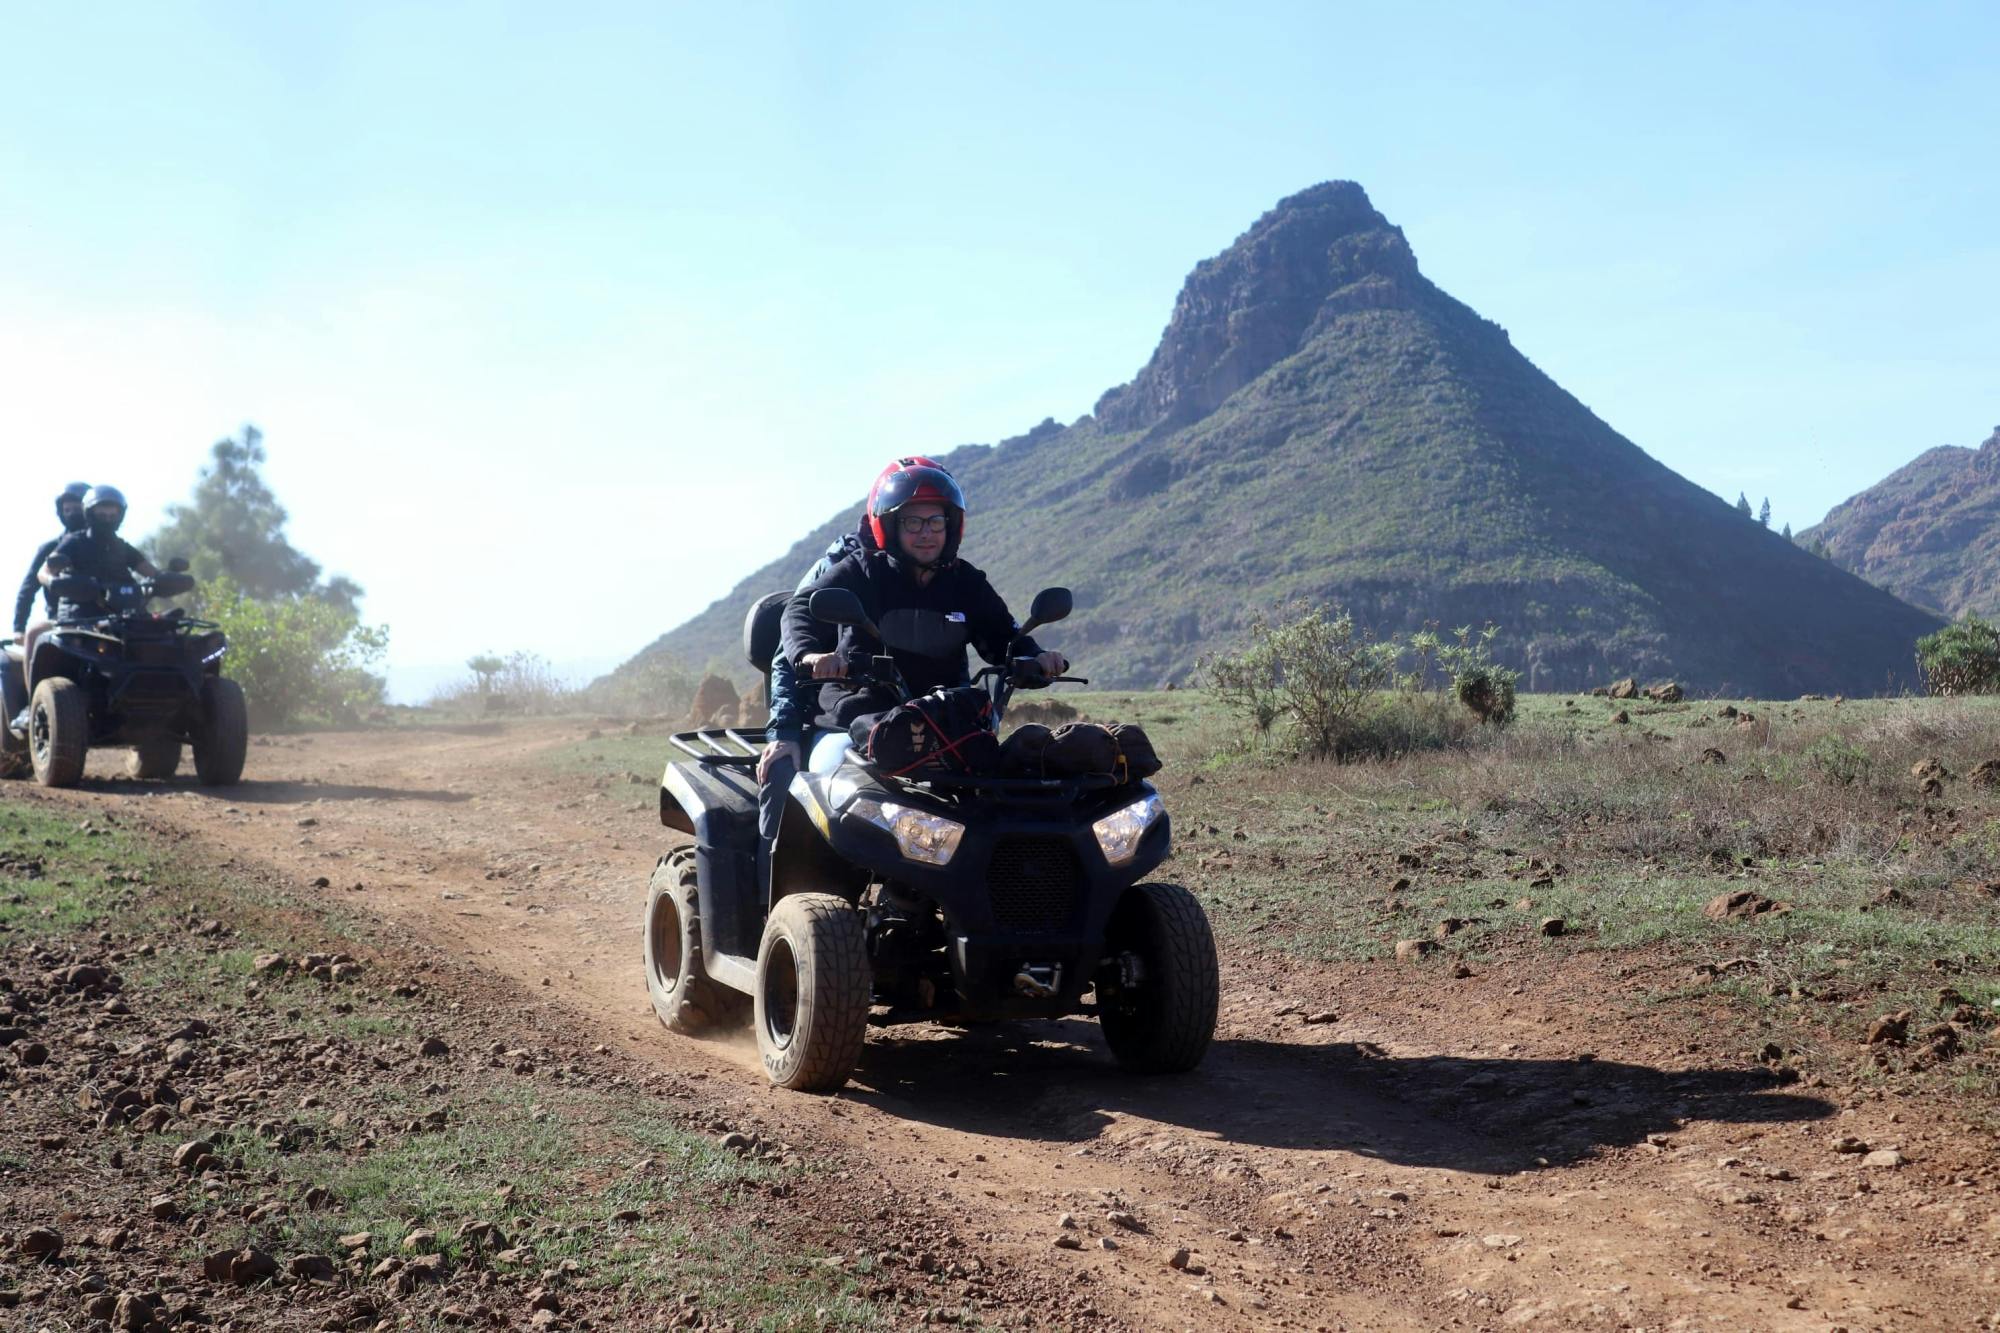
[(1118, 833), (920, 836)]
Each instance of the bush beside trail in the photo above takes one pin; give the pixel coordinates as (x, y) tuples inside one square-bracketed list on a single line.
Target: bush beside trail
[(1961, 659), (299, 658), (1325, 688)]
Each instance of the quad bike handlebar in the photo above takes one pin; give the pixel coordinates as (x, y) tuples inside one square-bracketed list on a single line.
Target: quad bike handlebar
[(117, 598)]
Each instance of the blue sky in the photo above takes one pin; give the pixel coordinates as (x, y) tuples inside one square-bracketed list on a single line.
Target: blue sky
[(516, 293)]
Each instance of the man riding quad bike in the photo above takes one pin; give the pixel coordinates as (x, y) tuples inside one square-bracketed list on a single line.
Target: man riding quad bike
[(929, 895), (110, 672)]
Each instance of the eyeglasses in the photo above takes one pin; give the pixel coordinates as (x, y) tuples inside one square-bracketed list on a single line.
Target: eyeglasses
[(916, 523)]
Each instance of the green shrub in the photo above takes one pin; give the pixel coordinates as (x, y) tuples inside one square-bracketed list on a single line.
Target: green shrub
[(1343, 694), (1466, 664), (1838, 760), (1315, 670), (297, 657), (1961, 659)]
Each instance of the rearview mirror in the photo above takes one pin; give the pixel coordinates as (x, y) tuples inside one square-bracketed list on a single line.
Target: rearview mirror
[(839, 606), (1050, 604), (177, 565)]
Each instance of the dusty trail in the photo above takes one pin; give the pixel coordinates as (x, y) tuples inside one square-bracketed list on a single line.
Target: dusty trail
[(1345, 1174)]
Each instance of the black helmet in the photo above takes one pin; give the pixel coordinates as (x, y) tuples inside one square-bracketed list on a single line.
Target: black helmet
[(105, 495), (76, 490), (914, 485)]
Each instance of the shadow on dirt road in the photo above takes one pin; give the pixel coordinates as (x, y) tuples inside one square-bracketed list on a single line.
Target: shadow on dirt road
[(1054, 1082)]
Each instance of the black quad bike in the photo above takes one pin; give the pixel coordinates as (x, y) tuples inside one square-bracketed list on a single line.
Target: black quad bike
[(118, 674), (888, 900)]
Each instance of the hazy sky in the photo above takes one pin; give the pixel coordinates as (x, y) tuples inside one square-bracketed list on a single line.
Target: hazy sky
[(560, 319)]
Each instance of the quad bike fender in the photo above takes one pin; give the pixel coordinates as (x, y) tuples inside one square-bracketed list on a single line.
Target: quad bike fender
[(718, 806), (51, 658), (803, 860), (13, 690)]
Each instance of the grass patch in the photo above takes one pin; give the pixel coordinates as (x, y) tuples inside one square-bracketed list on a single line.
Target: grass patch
[(60, 874), (354, 1116), (575, 1160), (1625, 830)]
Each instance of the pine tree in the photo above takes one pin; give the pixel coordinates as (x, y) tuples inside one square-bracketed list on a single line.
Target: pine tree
[(234, 526), (1743, 504), (1788, 532), (1764, 514)]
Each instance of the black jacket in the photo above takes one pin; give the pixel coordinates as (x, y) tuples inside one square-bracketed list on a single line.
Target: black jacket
[(30, 585), (106, 557), (956, 609)]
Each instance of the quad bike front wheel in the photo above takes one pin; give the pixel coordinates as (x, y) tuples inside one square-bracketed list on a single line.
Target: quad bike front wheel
[(58, 732), (813, 987), (683, 995), (159, 757), (224, 738), (1157, 992)]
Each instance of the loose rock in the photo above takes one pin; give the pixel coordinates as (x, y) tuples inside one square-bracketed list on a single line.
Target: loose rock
[(1740, 903), (40, 1244), (1890, 1028)]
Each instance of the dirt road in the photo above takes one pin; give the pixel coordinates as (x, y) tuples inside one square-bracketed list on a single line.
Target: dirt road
[(1361, 1150)]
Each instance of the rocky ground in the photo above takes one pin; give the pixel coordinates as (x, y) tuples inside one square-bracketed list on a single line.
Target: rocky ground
[(1531, 1134)]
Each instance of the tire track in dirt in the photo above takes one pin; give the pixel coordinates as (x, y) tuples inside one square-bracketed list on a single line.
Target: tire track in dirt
[(1307, 1182)]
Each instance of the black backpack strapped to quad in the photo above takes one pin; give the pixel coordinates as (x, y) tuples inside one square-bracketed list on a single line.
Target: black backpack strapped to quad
[(945, 893), (945, 733), (118, 674)]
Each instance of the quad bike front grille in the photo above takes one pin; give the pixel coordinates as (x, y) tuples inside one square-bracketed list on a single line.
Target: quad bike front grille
[(1035, 884), (154, 652)]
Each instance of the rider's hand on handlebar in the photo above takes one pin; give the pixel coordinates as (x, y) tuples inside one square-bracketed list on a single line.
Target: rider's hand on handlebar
[(1052, 663), (825, 666)]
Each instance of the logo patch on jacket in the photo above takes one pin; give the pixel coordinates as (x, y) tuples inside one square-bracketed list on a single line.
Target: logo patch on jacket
[(954, 617)]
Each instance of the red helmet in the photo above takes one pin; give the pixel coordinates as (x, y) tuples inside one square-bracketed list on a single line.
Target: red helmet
[(914, 481)]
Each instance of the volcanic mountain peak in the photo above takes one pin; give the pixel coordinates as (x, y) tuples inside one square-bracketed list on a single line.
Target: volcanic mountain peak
[(1321, 422), (1319, 253)]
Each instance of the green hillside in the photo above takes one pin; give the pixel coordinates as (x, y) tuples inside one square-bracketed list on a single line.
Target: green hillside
[(1319, 420), (1928, 532)]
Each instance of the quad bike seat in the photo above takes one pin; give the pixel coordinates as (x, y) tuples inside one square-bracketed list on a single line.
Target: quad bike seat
[(762, 629)]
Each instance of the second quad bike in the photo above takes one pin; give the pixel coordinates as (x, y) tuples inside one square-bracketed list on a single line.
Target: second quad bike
[(119, 674), (887, 900)]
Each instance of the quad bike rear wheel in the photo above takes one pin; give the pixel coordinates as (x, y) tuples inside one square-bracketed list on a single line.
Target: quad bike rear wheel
[(58, 732), (813, 987), (159, 757), (224, 738), (1157, 995), (683, 995)]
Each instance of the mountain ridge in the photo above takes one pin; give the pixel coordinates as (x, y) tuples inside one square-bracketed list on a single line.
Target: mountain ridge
[(1320, 420), (1929, 532)]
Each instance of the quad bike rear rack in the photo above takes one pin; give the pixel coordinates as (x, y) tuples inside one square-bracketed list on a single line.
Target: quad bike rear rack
[(729, 747)]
